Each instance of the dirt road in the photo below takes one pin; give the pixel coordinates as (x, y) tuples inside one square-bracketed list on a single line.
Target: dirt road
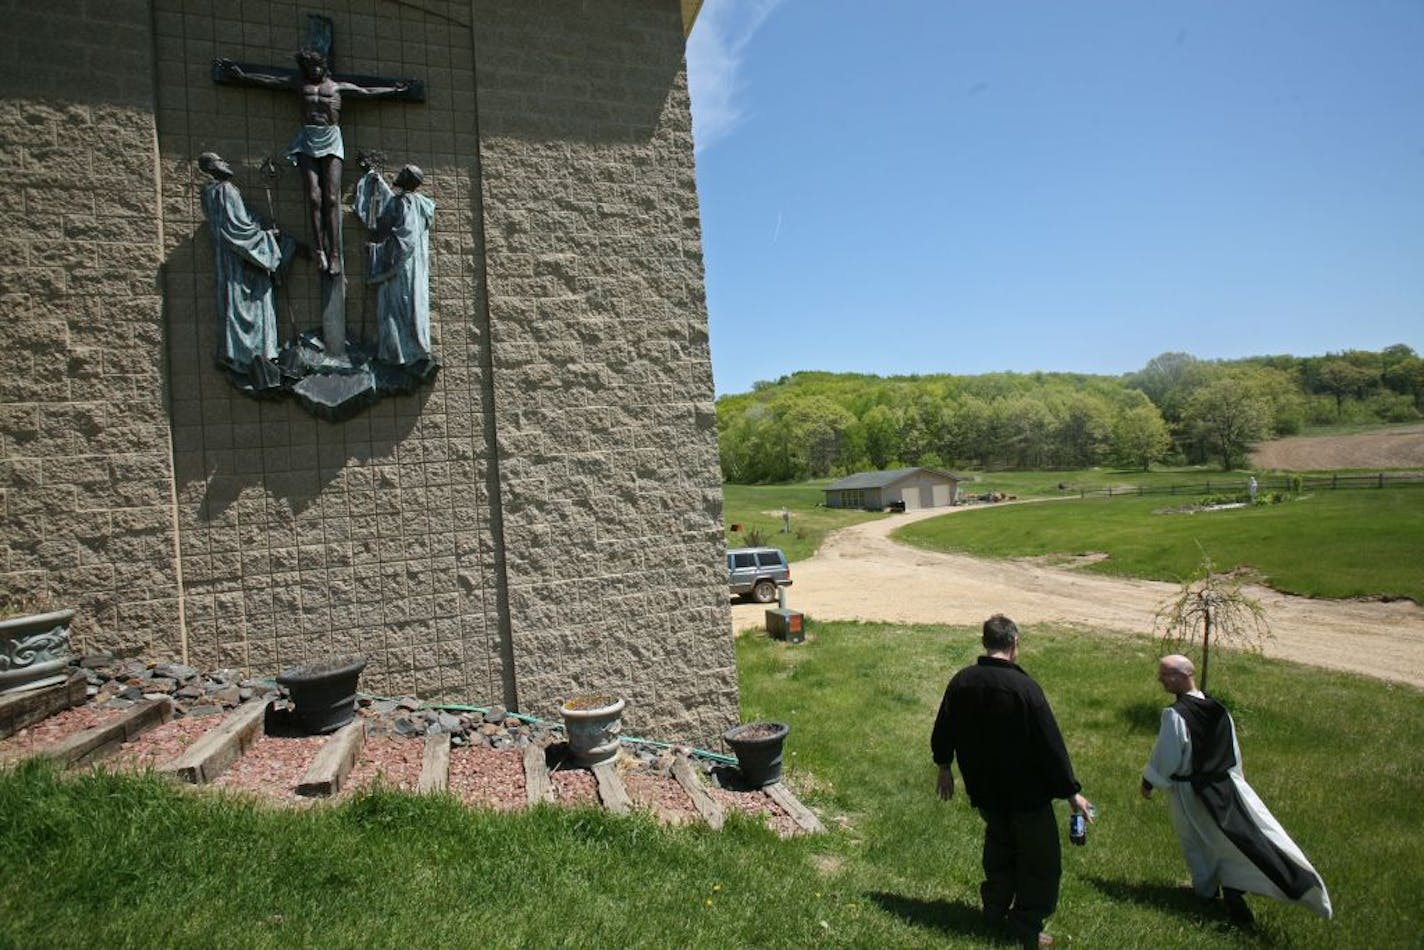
[(860, 574)]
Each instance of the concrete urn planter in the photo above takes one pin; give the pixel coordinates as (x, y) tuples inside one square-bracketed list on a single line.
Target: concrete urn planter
[(323, 694), (592, 724), (758, 749), (34, 650)]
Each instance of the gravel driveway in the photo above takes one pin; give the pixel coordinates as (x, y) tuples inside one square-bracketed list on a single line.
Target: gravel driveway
[(860, 574)]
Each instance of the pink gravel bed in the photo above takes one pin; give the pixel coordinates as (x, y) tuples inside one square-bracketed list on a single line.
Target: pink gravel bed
[(488, 778), (479, 776), (757, 805), (662, 795), (574, 787), (392, 761), (59, 726), (273, 767), (160, 744)]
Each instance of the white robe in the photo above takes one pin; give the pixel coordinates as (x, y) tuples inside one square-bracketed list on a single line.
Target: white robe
[(1214, 861)]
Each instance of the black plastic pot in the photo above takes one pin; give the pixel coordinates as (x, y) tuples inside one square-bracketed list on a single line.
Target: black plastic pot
[(323, 694), (758, 749)]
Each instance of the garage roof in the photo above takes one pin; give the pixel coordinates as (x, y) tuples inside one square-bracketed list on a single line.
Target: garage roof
[(882, 479)]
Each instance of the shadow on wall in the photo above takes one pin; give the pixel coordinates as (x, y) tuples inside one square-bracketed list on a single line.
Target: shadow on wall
[(605, 71), (230, 442)]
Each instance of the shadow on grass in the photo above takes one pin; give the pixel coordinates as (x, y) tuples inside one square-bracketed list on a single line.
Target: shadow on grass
[(1173, 898), (951, 917), (1183, 902), (1144, 716)]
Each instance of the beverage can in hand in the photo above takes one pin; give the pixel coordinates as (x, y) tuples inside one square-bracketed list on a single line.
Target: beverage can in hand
[(1078, 828)]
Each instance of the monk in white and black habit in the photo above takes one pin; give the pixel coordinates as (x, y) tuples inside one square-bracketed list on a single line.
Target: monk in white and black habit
[(1231, 841)]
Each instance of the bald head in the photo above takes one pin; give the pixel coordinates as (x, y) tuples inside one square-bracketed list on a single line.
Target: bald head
[(1177, 674), (215, 165)]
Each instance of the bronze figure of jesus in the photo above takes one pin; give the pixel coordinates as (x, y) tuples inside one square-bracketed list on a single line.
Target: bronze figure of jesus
[(317, 149)]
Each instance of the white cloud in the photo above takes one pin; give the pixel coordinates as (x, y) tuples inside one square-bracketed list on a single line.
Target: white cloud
[(714, 60)]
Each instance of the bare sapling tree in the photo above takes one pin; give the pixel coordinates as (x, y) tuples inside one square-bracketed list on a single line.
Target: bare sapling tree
[(1213, 606)]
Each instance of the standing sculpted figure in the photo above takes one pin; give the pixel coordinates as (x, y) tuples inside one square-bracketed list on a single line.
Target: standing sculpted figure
[(317, 149), (248, 257), (398, 261)]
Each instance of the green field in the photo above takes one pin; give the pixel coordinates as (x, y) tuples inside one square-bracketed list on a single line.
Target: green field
[(1356, 543), (132, 863)]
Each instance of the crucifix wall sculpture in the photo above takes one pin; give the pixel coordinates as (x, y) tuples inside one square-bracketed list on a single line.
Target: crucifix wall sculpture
[(340, 378)]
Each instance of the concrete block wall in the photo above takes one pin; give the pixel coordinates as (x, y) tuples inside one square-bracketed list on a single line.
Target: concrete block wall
[(545, 519), (603, 390), (302, 538), (86, 487)]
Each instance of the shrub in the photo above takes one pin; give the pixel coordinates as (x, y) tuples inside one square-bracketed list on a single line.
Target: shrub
[(1209, 603), (1394, 407)]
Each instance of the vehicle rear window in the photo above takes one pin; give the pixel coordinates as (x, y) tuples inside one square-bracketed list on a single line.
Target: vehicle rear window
[(744, 560), (768, 559)]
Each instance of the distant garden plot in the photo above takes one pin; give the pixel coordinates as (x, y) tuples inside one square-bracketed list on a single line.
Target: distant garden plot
[(1323, 544), (1389, 447)]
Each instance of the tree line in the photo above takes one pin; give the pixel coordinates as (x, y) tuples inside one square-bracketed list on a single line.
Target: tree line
[(1177, 408)]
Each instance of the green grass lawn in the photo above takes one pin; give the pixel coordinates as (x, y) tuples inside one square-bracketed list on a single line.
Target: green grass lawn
[(1354, 543), (758, 507), (131, 862)]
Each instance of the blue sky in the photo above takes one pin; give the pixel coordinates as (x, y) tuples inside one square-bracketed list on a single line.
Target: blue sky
[(917, 186)]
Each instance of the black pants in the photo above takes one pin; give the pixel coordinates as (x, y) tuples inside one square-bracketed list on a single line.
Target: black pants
[(1022, 864)]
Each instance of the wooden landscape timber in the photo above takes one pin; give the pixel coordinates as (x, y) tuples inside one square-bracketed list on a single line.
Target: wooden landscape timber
[(537, 785), (93, 744), (220, 746), (611, 790), (435, 766), (708, 808), (803, 816), (20, 710), (334, 762)]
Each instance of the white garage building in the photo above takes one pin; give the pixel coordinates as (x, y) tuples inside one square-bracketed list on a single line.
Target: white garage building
[(914, 487)]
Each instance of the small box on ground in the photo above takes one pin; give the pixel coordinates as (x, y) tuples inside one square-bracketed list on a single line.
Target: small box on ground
[(786, 624)]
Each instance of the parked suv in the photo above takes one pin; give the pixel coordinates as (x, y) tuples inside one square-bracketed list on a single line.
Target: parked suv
[(757, 573)]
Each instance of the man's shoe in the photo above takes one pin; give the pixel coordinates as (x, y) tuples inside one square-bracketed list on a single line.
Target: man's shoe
[(1236, 907)]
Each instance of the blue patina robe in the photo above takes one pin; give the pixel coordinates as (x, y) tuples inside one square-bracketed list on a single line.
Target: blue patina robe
[(398, 262), (245, 259)]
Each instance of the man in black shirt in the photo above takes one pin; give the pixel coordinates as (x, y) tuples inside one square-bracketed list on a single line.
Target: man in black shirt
[(1013, 761)]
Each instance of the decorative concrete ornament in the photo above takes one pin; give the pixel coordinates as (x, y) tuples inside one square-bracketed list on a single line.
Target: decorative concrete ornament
[(34, 650), (592, 723)]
